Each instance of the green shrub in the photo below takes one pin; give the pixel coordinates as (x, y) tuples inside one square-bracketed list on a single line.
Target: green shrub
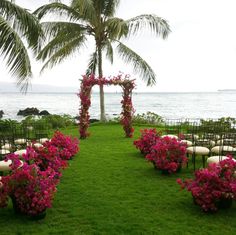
[(224, 124), (50, 121), (148, 118)]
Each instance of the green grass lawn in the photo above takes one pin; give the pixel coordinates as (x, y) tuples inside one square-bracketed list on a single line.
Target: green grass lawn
[(109, 188)]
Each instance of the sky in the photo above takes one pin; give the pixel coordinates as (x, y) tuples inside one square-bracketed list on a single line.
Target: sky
[(198, 55)]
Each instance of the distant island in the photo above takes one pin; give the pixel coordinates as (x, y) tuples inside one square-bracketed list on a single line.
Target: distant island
[(6, 87), (231, 90)]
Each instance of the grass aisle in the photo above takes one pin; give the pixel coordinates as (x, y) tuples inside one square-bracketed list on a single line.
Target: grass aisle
[(109, 188)]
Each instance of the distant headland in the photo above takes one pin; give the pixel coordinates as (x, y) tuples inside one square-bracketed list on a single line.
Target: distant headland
[(227, 90)]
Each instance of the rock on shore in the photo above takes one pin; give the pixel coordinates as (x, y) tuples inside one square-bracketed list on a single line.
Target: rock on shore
[(1, 113), (32, 111)]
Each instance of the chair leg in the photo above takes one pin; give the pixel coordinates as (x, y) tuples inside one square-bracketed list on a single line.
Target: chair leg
[(203, 161), (188, 159), (194, 158)]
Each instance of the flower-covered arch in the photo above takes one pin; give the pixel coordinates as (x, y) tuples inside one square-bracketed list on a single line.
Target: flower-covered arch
[(85, 97)]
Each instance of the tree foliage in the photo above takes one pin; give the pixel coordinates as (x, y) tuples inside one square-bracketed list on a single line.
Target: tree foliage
[(18, 29)]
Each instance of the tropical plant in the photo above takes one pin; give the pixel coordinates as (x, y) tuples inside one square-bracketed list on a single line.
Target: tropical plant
[(67, 145), (18, 26), (168, 154), (96, 18), (53, 153), (148, 118), (31, 190), (213, 185), (147, 139)]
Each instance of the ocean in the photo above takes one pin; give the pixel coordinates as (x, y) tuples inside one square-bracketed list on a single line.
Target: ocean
[(169, 105)]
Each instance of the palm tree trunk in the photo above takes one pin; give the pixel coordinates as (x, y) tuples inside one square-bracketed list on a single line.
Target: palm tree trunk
[(102, 104)]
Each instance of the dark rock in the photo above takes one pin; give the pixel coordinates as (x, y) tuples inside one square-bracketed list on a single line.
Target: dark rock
[(44, 112), (92, 120), (28, 111), (1, 113)]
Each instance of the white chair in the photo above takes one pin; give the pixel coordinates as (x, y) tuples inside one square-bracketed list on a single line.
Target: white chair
[(200, 148), (5, 165), (20, 152), (217, 159)]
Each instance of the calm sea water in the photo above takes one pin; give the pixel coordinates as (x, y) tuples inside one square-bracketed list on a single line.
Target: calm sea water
[(168, 105)]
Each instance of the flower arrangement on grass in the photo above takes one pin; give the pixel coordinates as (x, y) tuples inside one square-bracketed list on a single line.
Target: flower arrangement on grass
[(67, 145), (31, 190), (168, 154), (54, 153), (46, 156), (147, 139), (213, 185), (33, 184)]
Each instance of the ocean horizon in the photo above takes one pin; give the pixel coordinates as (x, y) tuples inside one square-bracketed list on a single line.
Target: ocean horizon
[(166, 104)]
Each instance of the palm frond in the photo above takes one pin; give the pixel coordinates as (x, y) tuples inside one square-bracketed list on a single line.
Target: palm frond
[(15, 54), (64, 52), (139, 65), (63, 37), (152, 22), (58, 9), (52, 29), (92, 65), (109, 50), (85, 8), (23, 23), (109, 7), (116, 28)]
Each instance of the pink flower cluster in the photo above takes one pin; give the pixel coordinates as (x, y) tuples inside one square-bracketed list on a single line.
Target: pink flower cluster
[(168, 154), (127, 106), (32, 189), (33, 185), (66, 145), (85, 96), (54, 153), (147, 139), (212, 184)]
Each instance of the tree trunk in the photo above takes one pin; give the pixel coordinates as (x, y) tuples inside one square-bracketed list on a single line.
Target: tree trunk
[(102, 104)]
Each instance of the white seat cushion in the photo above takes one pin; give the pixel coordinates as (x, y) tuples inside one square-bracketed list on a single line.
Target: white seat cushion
[(20, 141), (198, 150), (37, 145), (206, 142), (218, 149), (190, 136), (222, 141), (43, 140), (7, 146), (171, 136), (216, 159), (5, 165), (20, 152), (4, 151), (189, 143)]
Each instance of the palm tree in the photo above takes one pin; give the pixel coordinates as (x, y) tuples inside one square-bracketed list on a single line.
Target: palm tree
[(18, 25), (95, 18)]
